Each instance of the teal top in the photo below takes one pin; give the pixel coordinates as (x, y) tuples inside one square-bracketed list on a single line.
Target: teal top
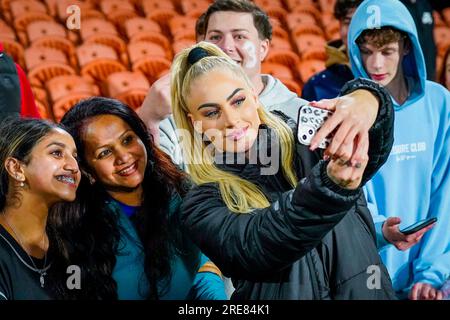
[(185, 283)]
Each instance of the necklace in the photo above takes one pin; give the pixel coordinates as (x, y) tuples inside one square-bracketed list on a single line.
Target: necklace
[(42, 272)]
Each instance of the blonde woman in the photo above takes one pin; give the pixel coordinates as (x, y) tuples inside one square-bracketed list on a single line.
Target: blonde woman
[(294, 227)]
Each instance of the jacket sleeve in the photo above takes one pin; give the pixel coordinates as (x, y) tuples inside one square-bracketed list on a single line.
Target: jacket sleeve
[(381, 135), (208, 282), (266, 240)]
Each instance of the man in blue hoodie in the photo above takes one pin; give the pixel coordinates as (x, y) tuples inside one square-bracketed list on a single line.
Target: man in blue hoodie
[(414, 184)]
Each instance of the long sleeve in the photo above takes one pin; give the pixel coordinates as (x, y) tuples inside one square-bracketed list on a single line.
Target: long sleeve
[(433, 263), (208, 283), (269, 239)]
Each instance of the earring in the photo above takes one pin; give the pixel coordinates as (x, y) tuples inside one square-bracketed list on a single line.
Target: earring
[(21, 183)]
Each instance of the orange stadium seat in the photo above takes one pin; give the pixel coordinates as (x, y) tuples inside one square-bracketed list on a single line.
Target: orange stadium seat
[(278, 43), (308, 68), (129, 87), (38, 29), (138, 50), (138, 25), (327, 5), (182, 44), (277, 13), (299, 18), (21, 23), (277, 70), (6, 32), (61, 44), (162, 17), (114, 42), (42, 73), (269, 3), (62, 86), (150, 6), (307, 41), (292, 4), (97, 26), (182, 24), (157, 38), (278, 31), (21, 7), (63, 105), (194, 8), (15, 50), (287, 58), (152, 67), (309, 9), (34, 56), (307, 29), (293, 86), (44, 110)]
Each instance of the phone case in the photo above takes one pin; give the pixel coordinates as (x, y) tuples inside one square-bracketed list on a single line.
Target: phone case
[(418, 226), (310, 119)]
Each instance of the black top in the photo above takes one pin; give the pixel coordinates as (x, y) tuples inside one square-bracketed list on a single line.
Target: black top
[(18, 278)]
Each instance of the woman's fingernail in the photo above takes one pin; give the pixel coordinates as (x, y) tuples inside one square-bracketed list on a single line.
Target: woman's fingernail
[(358, 165), (326, 157)]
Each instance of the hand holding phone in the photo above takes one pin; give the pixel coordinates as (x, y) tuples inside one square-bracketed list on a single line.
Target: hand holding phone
[(309, 121), (418, 226)]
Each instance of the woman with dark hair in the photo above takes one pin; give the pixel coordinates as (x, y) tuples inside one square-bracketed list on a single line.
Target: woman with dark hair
[(127, 243), (444, 77), (38, 168)]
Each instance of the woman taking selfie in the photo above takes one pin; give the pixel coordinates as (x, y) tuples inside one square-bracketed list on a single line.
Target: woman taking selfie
[(38, 168), (302, 231), (129, 238)]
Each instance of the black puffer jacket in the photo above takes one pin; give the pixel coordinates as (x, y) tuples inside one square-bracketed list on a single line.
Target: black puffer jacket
[(314, 242)]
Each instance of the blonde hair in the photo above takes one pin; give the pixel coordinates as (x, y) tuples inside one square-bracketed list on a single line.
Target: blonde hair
[(239, 195)]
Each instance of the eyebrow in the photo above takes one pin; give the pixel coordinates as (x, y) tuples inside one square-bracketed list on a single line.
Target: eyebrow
[(123, 133), (206, 105), (59, 144), (233, 30)]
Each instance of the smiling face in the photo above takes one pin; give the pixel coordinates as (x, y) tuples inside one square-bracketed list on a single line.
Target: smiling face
[(52, 171), (235, 33), (225, 109), (114, 153), (383, 64)]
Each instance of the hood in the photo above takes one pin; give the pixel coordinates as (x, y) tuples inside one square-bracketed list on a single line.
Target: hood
[(373, 14), (336, 53)]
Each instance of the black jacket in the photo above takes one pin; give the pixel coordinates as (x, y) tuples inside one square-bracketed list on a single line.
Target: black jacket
[(314, 242)]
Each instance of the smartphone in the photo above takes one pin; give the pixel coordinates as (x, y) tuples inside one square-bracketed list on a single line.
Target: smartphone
[(309, 121), (418, 225)]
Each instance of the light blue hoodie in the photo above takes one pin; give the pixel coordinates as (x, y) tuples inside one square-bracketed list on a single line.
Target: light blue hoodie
[(415, 181)]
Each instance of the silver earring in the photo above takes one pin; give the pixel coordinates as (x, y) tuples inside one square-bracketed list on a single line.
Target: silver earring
[(21, 183)]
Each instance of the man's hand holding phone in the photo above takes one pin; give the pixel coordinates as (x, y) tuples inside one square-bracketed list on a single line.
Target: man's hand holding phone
[(404, 240)]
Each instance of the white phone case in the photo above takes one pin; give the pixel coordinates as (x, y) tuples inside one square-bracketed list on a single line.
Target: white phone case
[(309, 121)]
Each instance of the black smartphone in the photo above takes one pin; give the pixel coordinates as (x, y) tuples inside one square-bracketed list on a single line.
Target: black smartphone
[(418, 225)]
